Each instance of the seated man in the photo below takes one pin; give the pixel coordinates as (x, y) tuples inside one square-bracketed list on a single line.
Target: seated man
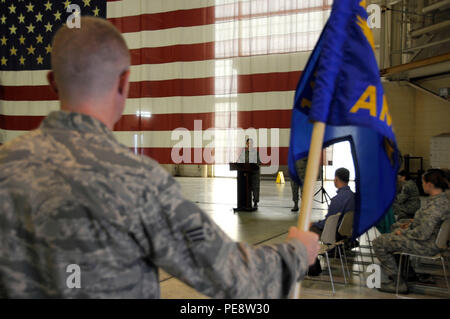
[(407, 201), (418, 236), (342, 203), (250, 155)]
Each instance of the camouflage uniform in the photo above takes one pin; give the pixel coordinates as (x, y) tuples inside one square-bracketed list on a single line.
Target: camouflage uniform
[(407, 201), (71, 194), (300, 167), (418, 238)]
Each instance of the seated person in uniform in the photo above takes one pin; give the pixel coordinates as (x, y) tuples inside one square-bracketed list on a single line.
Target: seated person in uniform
[(250, 155), (447, 177), (342, 203), (407, 202), (80, 210), (418, 236)]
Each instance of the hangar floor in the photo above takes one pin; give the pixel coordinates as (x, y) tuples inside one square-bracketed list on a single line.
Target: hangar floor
[(270, 223)]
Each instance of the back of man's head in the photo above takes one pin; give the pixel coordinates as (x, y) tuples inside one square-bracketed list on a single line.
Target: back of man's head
[(343, 175), (404, 174), (87, 61)]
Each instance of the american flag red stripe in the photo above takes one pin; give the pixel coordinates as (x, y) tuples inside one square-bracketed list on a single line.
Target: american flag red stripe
[(165, 20), (246, 83), (190, 52), (168, 122), (154, 54), (27, 93)]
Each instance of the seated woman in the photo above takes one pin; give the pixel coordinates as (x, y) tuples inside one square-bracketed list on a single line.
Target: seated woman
[(418, 236), (407, 201)]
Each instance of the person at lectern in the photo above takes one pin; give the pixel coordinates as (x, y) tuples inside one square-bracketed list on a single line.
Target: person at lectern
[(250, 155)]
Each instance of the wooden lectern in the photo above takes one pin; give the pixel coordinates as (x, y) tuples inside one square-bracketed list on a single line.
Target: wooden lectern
[(244, 194)]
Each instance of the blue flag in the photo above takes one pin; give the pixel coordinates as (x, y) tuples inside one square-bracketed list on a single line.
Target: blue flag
[(341, 87)]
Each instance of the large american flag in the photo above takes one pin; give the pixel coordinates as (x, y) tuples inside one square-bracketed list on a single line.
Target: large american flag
[(230, 64)]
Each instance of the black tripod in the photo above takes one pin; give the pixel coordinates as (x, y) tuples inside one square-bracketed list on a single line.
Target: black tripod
[(324, 197)]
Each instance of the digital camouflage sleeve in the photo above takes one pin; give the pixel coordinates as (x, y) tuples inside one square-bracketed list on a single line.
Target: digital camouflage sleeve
[(71, 194)]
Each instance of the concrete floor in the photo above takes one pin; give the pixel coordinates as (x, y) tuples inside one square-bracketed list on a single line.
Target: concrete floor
[(269, 224)]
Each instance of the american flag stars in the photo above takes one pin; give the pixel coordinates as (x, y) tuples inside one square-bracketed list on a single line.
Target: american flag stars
[(27, 28)]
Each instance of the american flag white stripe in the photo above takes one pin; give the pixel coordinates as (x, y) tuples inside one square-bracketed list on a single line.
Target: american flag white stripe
[(259, 101), (209, 33), (118, 9), (168, 139)]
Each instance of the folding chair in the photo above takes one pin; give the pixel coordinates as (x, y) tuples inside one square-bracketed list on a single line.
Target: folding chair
[(368, 246), (369, 243), (328, 242), (442, 241), (346, 230)]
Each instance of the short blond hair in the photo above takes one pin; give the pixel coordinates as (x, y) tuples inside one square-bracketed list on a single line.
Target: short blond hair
[(87, 61)]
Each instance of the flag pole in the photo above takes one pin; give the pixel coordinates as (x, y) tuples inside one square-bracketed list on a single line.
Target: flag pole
[(312, 167)]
